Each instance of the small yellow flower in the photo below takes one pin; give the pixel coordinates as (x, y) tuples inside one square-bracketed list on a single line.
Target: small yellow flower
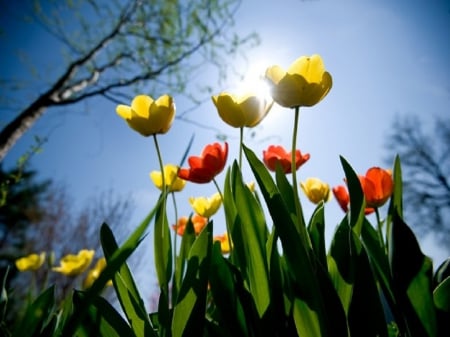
[(148, 116), (239, 111), (305, 83), (251, 186), (316, 190), (206, 207), (94, 274), (173, 183), (224, 242), (73, 265), (30, 262)]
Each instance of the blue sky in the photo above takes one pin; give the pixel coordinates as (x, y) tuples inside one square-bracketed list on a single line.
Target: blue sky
[(387, 58)]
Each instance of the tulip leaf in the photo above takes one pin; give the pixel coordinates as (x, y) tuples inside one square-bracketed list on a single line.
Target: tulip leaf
[(379, 262), (162, 247), (126, 289), (316, 230), (254, 230), (189, 311), (441, 295), (396, 198), (357, 202), (315, 292), (412, 278), (225, 294), (341, 262), (37, 314), (186, 244), (102, 319)]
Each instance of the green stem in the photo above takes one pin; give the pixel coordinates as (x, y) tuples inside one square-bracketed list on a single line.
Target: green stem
[(226, 223), (164, 196), (241, 141), (175, 236), (379, 227), (301, 223)]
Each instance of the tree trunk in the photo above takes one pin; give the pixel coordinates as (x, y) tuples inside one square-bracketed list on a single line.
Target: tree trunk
[(22, 123)]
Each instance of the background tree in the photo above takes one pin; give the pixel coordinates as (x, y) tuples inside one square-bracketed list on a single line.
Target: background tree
[(113, 49), (40, 217), (424, 151)]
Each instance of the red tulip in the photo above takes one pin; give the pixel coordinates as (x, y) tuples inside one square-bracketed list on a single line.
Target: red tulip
[(278, 154), (341, 194), (377, 185), (203, 169)]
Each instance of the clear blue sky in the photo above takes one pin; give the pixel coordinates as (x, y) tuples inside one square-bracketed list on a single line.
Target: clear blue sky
[(387, 57)]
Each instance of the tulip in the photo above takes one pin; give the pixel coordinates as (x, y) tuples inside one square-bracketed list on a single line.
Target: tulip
[(377, 186), (240, 111), (277, 154), (94, 274), (205, 168), (148, 116), (316, 190), (224, 243), (206, 207), (30, 262), (305, 83), (341, 194), (73, 265), (199, 222), (171, 179)]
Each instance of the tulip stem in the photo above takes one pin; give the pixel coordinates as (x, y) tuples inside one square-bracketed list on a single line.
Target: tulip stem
[(226, 223), (380, 228), (298, 207), (241, 140)]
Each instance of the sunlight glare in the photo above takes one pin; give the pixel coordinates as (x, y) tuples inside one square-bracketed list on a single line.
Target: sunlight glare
[(254, 83)]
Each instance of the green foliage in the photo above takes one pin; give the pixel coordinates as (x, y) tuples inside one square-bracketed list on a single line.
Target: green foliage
[(273, 282)]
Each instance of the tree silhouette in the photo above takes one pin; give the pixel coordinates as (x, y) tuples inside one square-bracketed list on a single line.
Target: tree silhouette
[(424, 151), (113, 49)]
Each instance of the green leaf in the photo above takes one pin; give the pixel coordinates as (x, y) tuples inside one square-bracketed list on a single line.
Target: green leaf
[(225, 295), (189, 312), (254, 233), (357, 202), (396, 198), (163, 247), (316, 230), (37, 314), (441, 297), (412, 277), (186, 244), (102, 319), (316, 299), (126, 288)]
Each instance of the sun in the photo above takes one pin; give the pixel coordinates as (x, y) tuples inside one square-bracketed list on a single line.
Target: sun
[(254, 82)]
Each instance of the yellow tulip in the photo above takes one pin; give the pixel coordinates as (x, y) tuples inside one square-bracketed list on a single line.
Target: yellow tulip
[(206, 207), (173, 183), (94, 273), (316, 190), (73, 265), (148, 116), (305, 83), (224, 243), (239, 111), (30, 262)]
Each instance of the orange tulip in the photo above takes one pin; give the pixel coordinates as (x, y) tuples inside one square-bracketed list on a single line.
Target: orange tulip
[(203, 169), (198, 221), (341, 194), (377, 185), (277, 154)]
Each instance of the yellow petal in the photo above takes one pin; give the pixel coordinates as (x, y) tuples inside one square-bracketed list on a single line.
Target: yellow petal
[(229, 110), (124, 111), (141, 105)]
